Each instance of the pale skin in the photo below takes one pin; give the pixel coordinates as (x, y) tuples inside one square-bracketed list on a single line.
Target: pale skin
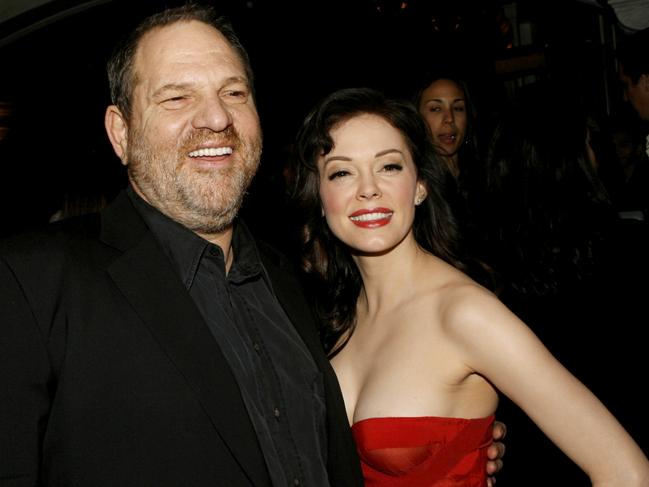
[(431, 342)]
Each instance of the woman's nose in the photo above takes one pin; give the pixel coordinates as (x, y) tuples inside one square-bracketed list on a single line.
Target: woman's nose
[(368, 189), (449, 117)]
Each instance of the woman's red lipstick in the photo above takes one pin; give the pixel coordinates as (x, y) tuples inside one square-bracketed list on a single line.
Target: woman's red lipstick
[(371, 217)]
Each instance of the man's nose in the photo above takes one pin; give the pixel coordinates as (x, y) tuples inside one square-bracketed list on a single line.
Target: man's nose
[(213, 114)]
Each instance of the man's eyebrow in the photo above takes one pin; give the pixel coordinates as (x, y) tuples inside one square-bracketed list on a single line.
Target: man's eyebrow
[(237, 79), (187, 86)]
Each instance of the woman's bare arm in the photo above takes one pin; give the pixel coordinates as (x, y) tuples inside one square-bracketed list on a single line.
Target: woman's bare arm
[(500, 347)]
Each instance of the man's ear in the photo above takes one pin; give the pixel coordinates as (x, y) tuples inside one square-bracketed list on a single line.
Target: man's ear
[(117, 130)]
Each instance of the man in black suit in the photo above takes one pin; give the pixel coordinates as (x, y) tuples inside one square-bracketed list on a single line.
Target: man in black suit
[(157, 343)]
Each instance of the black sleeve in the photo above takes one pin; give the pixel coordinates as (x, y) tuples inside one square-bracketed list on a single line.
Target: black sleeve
[(24, 376)]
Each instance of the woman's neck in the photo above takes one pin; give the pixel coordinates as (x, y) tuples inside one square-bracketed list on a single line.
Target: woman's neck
[(453, 164), (390, 277)]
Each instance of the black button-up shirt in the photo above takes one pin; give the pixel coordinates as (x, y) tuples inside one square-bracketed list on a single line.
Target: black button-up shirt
[(279, 381)]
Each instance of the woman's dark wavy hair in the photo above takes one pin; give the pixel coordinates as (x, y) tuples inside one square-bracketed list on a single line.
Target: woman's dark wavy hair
[(324, 257), (545, 207)]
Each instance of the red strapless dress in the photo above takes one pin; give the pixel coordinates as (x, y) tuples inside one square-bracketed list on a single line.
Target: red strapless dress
[(423, 451)]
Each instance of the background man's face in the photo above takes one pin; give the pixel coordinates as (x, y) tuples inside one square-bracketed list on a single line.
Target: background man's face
[(637, 94)]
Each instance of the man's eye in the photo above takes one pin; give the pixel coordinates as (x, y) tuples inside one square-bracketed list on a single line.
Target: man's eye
[(236, 95), (174, 101)]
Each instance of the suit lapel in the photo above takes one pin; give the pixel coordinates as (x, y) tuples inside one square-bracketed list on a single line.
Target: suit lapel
[(343, 463), (146, 278)]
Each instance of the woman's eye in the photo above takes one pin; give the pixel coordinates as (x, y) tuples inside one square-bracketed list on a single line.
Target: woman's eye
[(392, 167), (337, 174)]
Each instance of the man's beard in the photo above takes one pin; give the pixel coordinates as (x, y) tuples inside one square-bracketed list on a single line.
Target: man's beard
[(203, 200)]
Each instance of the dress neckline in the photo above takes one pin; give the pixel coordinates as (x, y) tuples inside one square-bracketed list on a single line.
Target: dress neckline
[(421, 418)]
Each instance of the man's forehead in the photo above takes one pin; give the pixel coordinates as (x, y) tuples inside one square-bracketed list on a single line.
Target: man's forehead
[(182, 36), (166, 51)]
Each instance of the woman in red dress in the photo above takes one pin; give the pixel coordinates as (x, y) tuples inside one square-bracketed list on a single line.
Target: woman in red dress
[(419, 348)]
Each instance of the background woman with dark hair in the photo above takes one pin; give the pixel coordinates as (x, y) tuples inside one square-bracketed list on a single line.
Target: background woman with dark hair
[(445, 102), (419, 347), (545, 211)]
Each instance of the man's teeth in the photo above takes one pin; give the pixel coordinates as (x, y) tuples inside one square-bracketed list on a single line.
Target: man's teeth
[(366, 217), (211, 152)]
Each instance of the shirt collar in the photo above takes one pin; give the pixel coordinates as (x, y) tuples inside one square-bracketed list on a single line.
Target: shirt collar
[(185, 249)]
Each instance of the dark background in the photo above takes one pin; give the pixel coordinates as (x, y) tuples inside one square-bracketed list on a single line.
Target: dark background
[(53, 93)]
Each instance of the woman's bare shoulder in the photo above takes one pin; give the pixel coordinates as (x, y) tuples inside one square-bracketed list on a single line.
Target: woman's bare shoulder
[(455, 289), (451, 296), (465, 307)]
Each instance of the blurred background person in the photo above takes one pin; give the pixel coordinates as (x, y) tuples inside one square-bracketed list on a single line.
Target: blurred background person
[(624, 167), (633, 64), (447, 108), (444, 101), (545, 208)]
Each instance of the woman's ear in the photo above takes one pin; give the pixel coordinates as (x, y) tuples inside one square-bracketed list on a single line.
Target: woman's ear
[(420, 193)]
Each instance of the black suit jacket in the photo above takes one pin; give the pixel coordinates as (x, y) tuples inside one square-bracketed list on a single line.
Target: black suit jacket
[(109, 375)]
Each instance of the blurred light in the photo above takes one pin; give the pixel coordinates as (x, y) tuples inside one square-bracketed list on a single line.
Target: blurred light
[(5, 115)]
